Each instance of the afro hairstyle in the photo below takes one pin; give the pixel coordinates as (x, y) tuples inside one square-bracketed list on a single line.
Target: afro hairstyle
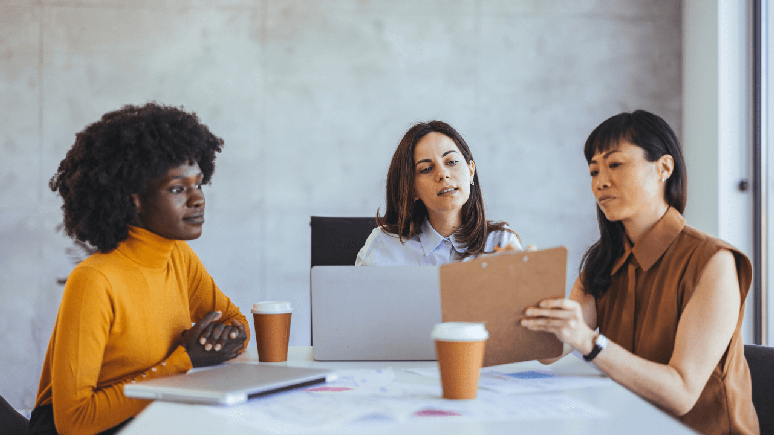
[(115, 157)]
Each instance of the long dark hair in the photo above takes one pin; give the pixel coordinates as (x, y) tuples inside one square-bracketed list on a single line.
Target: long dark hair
[(404, 215), (656, 138)]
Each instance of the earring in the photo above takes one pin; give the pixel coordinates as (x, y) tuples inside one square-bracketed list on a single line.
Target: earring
[(663, 180), (471, 182)]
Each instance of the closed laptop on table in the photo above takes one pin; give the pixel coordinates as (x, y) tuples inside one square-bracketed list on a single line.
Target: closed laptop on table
[(227, 384)]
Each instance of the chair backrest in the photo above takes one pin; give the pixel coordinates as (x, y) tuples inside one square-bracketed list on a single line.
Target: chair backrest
[(760, 359), (337, 240), (11, 422)]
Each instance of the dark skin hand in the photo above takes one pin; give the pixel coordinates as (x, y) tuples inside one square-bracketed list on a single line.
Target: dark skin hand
[(209, 343)]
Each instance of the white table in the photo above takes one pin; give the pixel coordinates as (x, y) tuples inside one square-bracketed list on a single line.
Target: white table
[(629, 413)]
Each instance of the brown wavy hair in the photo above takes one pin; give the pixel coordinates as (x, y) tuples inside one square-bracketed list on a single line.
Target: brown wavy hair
[(404, 216)]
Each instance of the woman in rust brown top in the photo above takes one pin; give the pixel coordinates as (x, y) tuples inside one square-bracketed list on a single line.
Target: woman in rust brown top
[(668, 299)]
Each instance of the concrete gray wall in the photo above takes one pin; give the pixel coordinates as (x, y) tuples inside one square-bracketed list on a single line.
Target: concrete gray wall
[(311, 99)]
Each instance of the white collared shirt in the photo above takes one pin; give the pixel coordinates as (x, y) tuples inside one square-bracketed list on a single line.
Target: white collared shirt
[(428, 248)]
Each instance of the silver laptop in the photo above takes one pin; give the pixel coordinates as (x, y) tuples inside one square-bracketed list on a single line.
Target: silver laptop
[(380, 313), (227, 384)]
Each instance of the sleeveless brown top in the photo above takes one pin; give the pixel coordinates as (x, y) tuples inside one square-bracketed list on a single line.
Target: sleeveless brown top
[(652, 283)]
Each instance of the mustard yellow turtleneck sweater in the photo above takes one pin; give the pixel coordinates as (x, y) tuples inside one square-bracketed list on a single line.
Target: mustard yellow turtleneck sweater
[(120, 316)]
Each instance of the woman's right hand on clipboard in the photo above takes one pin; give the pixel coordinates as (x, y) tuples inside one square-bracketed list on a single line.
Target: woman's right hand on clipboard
[(512, 247), (563, 318)]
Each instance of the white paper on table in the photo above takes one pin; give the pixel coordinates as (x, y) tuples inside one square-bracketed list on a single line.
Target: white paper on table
[(490, 406), (512, 381), (430, 372), (362, 396), (535, 381), (355, 395), (358, 382)]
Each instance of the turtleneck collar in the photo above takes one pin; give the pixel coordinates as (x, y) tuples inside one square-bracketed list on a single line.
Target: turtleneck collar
[(146, 248)]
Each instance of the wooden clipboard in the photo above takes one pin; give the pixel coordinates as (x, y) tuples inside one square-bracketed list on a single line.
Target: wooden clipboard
[(495, 290)]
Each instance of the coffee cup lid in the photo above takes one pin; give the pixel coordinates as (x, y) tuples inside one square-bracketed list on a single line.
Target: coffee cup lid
[(272, 307), (460, 331)]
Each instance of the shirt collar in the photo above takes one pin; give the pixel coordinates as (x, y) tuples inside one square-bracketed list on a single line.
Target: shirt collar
[(431, 239), (654, 243), (622, 259)]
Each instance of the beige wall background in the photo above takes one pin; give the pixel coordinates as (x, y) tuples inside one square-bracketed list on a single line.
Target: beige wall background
[(311, 98)]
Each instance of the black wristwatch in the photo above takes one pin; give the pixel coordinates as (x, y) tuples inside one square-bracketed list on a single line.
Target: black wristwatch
[(600, 342)]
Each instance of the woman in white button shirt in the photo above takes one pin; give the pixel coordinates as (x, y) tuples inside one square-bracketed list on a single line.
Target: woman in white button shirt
[(435, 211)]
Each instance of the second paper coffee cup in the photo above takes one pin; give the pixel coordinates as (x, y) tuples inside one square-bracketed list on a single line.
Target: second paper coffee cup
[(272, 329), (459, 347)]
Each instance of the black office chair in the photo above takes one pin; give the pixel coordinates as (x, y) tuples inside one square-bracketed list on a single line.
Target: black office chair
[(337, 240), (11, 422), (760, 359)]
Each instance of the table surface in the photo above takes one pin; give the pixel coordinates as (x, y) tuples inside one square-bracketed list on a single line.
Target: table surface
[(628, 413)]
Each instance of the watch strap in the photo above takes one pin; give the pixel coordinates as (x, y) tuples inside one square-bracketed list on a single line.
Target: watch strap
[(600, 342)]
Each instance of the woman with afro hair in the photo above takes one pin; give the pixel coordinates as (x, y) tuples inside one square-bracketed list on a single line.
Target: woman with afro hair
[(132, 188)]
